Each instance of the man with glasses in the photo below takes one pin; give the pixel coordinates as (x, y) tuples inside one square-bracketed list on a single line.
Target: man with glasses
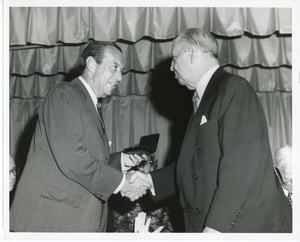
[(13, 172)]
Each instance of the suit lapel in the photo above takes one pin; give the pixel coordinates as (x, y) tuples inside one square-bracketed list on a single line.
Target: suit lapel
[(91, 109), (189, 142), (209, 92)]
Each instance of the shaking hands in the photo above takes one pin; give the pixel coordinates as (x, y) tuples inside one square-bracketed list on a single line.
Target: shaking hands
[(137, 181), (136, 185)]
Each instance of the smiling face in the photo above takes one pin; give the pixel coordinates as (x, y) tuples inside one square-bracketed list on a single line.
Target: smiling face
[(107, 75)]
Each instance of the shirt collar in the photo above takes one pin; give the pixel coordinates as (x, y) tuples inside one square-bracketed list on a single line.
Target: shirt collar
[(202, 84), (90, 91)]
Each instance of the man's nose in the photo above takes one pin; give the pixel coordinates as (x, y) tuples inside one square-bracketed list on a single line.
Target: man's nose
[(172, 66), (118, 76)]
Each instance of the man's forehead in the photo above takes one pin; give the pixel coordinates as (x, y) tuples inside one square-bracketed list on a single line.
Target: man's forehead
[(114, 55), (177, 46), (175, 49), (112, 51)]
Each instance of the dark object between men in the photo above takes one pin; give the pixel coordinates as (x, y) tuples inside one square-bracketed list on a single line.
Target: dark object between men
[(147, 145)]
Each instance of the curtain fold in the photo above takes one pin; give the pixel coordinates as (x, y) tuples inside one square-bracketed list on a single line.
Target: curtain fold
[(22, 114), (265, 79), (145, 55), (264, 20), (141, 84), (278, 111), (77, 25)]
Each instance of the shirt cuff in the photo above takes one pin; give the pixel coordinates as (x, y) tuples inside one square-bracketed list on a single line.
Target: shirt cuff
[(120, 186), (152, 190), (123, 167)]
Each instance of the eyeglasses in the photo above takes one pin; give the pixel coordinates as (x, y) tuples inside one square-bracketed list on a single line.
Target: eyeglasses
[(15, 171)]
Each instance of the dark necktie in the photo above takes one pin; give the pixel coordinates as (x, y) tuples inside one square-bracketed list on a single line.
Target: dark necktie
[(99, 109)]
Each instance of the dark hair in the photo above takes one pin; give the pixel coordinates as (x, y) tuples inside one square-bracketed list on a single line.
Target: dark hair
[(200, 38), (96, 50)]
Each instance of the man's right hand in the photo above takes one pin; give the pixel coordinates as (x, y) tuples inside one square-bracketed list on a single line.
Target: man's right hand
[(136, 185)]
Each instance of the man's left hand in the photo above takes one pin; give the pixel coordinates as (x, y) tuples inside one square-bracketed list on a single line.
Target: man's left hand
[(132, 160)]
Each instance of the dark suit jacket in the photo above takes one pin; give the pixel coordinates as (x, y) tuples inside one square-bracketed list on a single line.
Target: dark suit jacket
[(224, 173), (68, 175)]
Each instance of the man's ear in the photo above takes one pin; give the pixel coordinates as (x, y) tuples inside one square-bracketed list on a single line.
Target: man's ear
[(192, 54), (91, 64)]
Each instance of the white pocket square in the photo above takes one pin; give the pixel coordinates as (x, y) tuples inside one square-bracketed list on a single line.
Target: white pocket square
[(203, 120)]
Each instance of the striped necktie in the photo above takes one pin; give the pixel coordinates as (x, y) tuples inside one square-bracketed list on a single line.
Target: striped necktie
[(99, 109)]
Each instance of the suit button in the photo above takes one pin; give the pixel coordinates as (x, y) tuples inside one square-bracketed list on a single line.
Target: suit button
[(198, 210), (197, 147), (195, 177), (185, 209)]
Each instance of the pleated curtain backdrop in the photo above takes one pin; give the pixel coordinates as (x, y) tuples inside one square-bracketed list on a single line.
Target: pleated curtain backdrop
[(46, 42)]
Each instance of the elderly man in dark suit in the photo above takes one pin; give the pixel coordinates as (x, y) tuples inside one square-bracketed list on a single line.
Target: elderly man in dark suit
[(224, 174), (69, 173)]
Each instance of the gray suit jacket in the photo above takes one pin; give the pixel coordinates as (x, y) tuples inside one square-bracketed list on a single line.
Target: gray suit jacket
[(69, 175)]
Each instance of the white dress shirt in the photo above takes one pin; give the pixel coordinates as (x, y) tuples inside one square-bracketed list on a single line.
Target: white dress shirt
[(202, 84), (90, 91)]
